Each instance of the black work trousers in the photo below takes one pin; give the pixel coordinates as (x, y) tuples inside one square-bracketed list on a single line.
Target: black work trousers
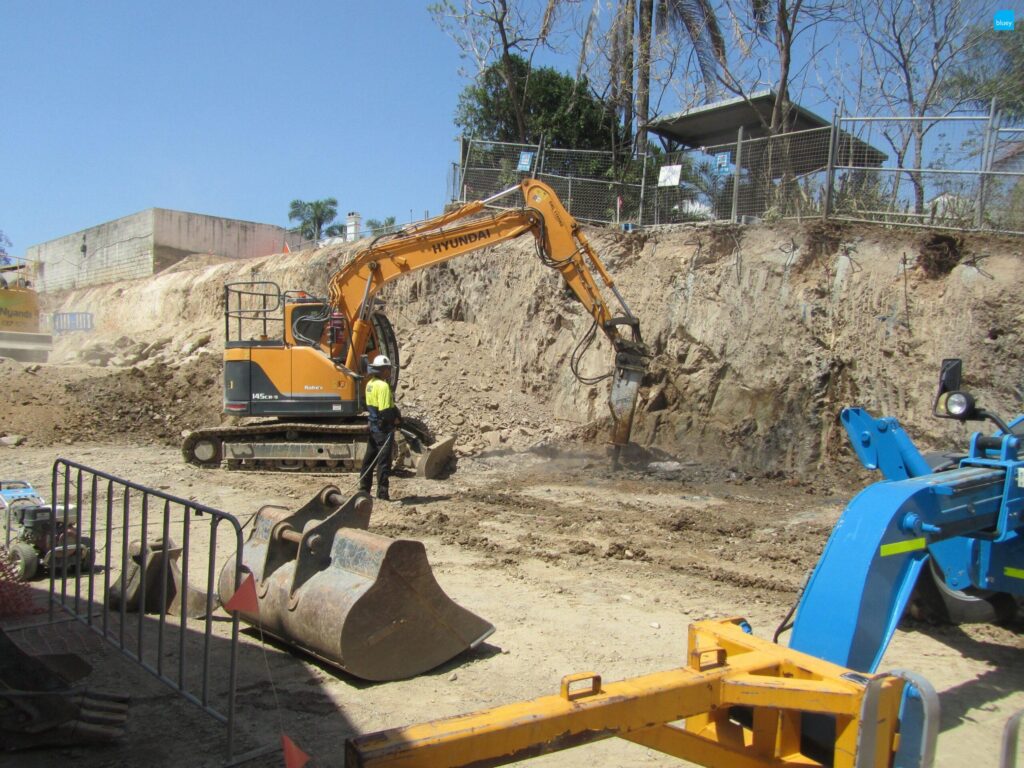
[(379, 449)]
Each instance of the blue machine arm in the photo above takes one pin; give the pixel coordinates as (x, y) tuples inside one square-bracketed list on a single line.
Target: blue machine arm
[(882, 444), (967, 519)]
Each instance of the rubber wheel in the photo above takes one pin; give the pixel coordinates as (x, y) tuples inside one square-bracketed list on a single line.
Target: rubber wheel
[(935, 602), (25, 560)]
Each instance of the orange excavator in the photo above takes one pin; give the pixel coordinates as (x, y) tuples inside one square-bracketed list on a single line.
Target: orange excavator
[(300, 362)]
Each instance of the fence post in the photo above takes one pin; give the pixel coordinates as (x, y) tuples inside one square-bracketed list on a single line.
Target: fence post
[(467, 149), (831, 166), (643, 191), (736, 176), (540, 157), (986, 160)]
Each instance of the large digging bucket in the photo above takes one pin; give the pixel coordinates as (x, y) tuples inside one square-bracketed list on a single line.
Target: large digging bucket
[(363, 602)]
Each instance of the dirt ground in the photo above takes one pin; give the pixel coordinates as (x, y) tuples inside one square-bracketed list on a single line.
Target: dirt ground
[(579, 570), (759, 340)]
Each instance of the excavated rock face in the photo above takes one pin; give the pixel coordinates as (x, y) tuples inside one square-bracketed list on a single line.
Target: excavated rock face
[(760, 336)]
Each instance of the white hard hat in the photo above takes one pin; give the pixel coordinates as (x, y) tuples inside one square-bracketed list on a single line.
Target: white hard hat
[(381, 361)]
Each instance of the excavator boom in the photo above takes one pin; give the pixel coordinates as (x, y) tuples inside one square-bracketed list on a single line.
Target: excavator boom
[(560, 244)]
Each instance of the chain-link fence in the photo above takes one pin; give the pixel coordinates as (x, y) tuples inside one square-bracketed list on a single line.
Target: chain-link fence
[(954, 172)]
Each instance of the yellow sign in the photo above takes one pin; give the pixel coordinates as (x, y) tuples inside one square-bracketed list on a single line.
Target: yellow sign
[(19, 310)]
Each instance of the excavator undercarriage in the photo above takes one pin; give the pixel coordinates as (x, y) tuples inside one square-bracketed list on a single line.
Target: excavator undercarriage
[(309, 447)]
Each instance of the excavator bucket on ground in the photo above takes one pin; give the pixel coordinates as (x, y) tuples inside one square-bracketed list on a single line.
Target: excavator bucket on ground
[(362, 602), (430, 460)]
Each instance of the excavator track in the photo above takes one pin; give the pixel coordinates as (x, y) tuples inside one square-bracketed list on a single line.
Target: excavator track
[(277, 446)]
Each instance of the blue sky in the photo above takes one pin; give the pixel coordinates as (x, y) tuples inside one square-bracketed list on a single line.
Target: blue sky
[(229, 109)]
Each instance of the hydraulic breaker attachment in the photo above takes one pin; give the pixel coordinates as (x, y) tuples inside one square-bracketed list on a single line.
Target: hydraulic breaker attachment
[(630, 367), (743, 700), (362, 602)]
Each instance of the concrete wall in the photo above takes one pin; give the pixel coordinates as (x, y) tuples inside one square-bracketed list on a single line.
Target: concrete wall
[(146, 243), (118, 250), (178, 234)]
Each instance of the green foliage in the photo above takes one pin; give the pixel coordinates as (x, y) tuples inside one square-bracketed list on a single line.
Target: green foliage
[(315, 217), (994, 68), (558, 108), (385, 227), (4, 245)]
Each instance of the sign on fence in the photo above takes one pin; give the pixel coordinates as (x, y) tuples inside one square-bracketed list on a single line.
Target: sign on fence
[(669, 175), (525, 162)]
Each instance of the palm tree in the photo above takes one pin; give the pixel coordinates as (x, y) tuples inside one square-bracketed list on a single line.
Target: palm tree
[(385, 227), (631, 52), (314, 217)]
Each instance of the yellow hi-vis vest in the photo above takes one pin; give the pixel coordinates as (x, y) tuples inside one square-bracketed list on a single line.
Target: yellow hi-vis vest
[(378, 395)]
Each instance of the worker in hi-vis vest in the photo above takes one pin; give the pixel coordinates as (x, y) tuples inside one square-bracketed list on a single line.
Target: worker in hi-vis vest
[(384, 418)]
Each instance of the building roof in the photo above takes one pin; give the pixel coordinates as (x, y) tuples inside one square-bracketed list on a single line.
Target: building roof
[(718, 124), (1010, 157)]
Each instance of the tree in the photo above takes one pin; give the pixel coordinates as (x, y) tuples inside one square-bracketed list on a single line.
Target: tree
[(914, 48), (561, 110), (992, 69), (497, 35), (378, 227), (5, 243), (315, 218), (646, 33)]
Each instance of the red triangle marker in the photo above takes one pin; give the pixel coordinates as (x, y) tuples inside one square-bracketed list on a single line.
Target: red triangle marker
[(293, 756), (244, 598), (287, 249)]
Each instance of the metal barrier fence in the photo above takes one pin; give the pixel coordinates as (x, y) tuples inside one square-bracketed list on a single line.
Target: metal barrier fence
[(166, 638), (68, 322), (969, 174)]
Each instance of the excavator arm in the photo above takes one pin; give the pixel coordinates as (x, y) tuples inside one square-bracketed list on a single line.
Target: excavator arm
[(561, 245)]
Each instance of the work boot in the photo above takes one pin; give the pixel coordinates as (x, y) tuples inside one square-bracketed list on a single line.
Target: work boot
[(382, 494)]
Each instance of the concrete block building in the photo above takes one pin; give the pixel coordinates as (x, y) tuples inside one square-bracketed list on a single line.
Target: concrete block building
[(145, 243)]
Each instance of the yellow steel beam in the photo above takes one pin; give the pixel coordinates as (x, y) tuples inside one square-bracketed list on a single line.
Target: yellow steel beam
[(727, 668), (704, 751)]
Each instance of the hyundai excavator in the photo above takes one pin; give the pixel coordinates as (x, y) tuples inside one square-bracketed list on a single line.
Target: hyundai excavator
[(300, 361)]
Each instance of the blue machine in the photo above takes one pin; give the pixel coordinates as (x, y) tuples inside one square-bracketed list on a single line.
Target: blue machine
[(963, 524)]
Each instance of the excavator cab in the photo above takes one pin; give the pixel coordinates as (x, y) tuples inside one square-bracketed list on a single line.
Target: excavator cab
[(284, 356)]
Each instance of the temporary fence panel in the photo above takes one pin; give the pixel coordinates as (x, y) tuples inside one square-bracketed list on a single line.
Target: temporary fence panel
[(168, 627), (939, 173), (69, 322), (1002, 195), (967, 174)]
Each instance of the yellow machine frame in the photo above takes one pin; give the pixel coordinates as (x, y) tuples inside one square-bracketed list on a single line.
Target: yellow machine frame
[(726, 668)]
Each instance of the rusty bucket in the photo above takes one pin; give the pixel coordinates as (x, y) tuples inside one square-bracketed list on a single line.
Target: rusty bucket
[(360, 601)]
